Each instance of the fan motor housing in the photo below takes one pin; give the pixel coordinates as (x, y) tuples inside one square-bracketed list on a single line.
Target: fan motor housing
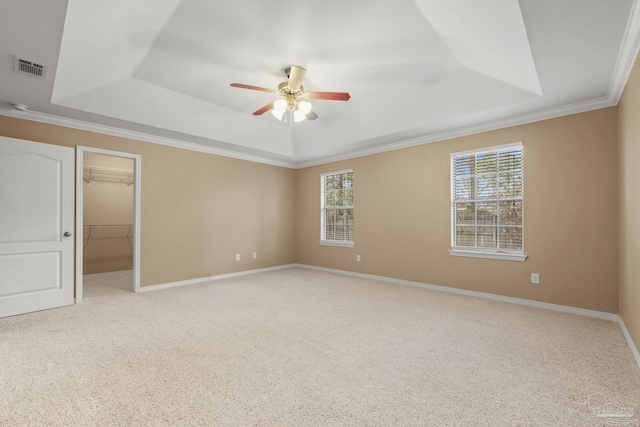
[(284, 89)]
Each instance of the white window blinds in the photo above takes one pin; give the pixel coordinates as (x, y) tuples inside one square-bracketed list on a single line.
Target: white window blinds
[(337, 208), (487, 200)]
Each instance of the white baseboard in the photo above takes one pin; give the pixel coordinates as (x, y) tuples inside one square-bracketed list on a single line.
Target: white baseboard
[(512, 300), (627, 336), (212, 278), (107, 273)]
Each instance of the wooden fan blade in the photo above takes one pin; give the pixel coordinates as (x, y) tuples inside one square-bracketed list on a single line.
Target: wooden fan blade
[(264, 109), (296, 74), (262, 89), (331, 96), (311, 115)]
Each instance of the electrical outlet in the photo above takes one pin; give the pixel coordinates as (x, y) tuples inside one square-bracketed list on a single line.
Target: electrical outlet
[(237, 257), (255, 255), (357, 258), (535, 278)]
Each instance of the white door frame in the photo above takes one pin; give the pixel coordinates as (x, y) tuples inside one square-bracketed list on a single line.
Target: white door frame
[(137, 159)]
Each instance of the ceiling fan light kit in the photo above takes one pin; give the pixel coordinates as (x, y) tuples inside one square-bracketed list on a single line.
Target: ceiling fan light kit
[(294, 104), (299, 109)]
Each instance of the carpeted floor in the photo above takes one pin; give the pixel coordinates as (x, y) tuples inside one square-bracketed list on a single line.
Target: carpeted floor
[(300, 347), (109, 284)]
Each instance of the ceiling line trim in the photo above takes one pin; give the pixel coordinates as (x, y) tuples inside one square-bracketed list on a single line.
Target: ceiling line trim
[(552, 113), (627, 55), (138, 136), (579, 107)]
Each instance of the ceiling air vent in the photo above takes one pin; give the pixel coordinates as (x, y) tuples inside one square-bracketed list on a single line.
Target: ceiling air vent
[(23, 66)]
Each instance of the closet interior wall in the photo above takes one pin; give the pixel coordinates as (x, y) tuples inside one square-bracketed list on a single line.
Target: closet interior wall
[(108, 214)]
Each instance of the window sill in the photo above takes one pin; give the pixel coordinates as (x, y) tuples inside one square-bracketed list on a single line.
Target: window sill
[(489, 255), (337, 243)]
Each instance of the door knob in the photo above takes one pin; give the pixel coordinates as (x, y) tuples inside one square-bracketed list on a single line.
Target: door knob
[(67, 234)]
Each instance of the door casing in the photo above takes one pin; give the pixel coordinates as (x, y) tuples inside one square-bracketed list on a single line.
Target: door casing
[(137, 160)]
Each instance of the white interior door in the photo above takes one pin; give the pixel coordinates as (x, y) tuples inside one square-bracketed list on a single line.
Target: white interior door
[(36, 221)]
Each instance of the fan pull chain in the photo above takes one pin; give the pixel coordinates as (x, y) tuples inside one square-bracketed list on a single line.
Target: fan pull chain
[(290, 122)]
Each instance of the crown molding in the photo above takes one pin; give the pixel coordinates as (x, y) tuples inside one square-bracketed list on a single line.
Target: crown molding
[(547, 114), (139, 136), (627, 54), (551, 113)]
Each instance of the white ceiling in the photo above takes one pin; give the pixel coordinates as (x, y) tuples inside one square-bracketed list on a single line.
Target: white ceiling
[(417, 70)]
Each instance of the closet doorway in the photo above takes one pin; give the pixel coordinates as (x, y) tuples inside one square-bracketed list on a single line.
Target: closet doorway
[(107, 221)]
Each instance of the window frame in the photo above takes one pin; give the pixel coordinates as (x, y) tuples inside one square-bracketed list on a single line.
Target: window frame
[(474, 251), (323, 210)]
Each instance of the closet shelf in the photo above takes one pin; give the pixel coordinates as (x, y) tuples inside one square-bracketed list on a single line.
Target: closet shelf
[(88, 234), (94, 173)]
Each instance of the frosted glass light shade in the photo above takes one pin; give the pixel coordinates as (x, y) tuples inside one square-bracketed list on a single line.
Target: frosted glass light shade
[(279, 107), (303, 109)]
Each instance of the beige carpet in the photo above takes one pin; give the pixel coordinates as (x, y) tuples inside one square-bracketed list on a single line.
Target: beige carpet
[(306, 348), (107, 284)]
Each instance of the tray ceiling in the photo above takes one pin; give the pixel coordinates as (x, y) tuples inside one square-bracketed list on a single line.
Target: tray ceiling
[(417, 70)]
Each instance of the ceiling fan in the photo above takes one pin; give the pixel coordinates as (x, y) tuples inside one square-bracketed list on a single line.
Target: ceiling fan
[(294, 104)]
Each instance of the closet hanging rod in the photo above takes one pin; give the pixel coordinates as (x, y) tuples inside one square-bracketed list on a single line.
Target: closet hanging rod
[(87, 236), (107, 225)]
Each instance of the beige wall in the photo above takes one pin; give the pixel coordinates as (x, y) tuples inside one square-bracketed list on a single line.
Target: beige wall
[(198, 210), (107, 247), (629, 115), (402, 214)]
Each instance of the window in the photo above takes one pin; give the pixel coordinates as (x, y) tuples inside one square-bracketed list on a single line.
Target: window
[(336, 223), (487, 203)]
